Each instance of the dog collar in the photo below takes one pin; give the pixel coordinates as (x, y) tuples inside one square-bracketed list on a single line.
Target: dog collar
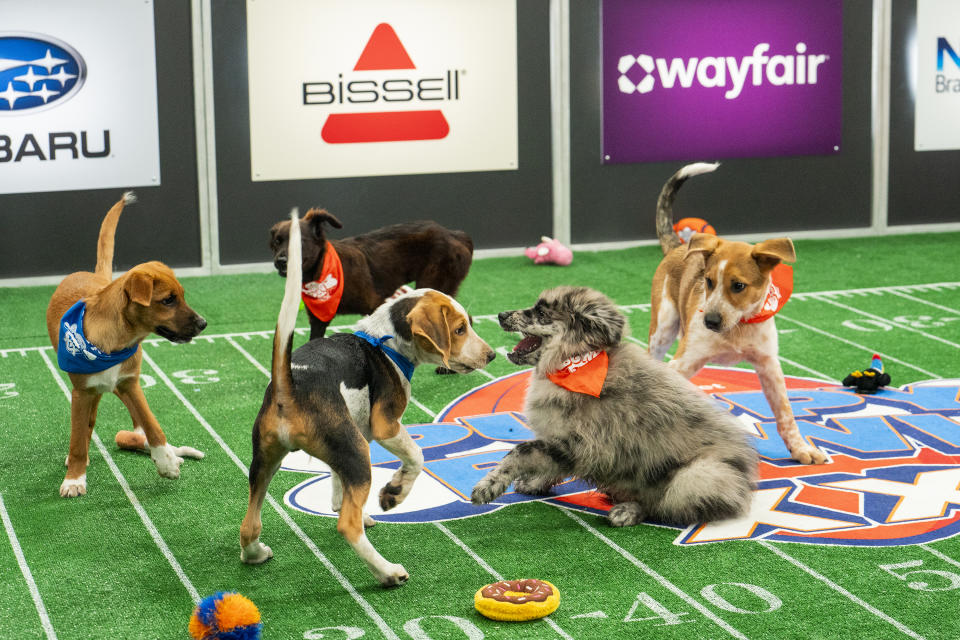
[(403, 363), (322, 296), (781, 286), (583, 374), (75, 354)]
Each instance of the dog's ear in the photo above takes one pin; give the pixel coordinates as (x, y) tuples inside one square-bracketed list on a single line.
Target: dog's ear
[(703, 244), (770, 253), (599, 325), (315, 218), (139, 287), (430, 328)]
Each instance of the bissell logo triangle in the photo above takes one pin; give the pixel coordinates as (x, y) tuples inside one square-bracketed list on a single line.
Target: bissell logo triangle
[(384, 52)]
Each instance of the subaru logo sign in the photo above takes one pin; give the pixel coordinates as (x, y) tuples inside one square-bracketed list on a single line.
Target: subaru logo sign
[(37, 72)]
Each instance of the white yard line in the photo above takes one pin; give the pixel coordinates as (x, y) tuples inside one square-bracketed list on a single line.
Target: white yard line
[(926, 302), (662, 581), (342, 579), (885, 356), (899, 325), (493, 572), (25, 570), (943, 557), (836, 587), (147, 522)]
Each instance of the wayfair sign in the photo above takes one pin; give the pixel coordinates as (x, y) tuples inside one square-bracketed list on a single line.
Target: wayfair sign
[(693, 79)]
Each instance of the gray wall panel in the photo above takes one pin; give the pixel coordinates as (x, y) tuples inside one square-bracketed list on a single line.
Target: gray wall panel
[(498, 209), (924, 186), (618, 202), (56, 232)]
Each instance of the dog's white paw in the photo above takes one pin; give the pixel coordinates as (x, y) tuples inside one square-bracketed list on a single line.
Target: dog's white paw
[(368, 521), (255, 553), (167, 461), (394, 575), (484, 492), (625, 514), (189, 452), (808, 455), (73, 487)]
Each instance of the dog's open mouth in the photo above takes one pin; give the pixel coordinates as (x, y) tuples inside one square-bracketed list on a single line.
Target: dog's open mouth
[(527, 345), (172, 335)]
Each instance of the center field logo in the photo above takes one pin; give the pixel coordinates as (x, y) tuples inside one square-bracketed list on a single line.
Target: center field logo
[(893, 479)]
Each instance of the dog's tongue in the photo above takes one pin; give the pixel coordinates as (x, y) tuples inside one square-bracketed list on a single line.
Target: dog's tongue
[(528, 343)]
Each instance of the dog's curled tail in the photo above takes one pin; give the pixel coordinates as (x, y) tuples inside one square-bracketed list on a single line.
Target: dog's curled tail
[(668, 238), (287, 320), (108, 229)]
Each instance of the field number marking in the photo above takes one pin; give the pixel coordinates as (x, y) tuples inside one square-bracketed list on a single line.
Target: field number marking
[(662, 613), (870, 325), (196, 376), (412, 627), (951, 577), (7, 390), (710, 593)]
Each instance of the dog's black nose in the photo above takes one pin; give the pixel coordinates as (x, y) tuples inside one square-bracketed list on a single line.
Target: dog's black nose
[(200, 323), (713, 320), (491, 356), (503, 315)]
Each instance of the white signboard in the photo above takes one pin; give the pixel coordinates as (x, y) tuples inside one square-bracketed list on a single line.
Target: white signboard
[(78, 95), (386, 87), (937, 59)]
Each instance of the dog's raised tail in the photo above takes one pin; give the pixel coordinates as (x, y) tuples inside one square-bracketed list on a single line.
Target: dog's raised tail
[(287, 320), (108, 229), (669, 240)]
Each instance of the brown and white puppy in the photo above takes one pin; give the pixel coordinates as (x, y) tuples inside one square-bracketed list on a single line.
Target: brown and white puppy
[(377, 263), (119, 314), (330, 397), (705, 291)]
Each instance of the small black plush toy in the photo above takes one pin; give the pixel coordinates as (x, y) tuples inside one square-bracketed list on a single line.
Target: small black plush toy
[(869, 380)]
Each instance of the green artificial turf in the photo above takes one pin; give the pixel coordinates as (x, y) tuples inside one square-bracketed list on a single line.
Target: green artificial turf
[(101, 570)]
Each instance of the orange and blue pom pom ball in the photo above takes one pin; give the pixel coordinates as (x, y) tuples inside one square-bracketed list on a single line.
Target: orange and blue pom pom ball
[(225, 616)]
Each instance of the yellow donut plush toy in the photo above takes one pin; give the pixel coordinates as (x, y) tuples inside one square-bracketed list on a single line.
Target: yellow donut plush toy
[(517, 600)]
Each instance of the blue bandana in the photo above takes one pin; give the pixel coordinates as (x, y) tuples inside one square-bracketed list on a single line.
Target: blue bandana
[(75, 354), (405, 365)]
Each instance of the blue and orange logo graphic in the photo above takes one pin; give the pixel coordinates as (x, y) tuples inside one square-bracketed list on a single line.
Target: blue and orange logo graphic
[(893, 476)]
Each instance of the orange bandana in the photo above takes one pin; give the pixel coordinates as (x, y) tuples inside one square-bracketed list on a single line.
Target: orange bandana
[(322, 297), (583, 374), (781, 286)]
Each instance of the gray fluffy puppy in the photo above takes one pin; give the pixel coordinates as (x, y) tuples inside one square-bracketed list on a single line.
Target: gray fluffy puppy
[(653, 442)]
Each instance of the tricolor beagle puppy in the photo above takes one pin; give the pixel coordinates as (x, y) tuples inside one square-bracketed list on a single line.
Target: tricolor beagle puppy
[(332, 396)]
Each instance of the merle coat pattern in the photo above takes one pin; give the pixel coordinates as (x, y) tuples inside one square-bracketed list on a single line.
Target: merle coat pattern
[(657, 445)]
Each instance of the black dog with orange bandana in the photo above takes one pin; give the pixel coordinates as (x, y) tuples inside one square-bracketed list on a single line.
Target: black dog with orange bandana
[(356, 274)]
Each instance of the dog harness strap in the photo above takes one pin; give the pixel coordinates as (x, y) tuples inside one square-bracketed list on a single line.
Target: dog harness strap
[(405, 366), (322, 296), (583, 374), (75, 354), (781, 286)]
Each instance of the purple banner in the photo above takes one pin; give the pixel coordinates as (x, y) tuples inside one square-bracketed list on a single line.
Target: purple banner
[(713, 79)]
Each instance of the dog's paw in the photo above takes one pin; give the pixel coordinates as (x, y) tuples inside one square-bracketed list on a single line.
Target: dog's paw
[(73, 487), (394, 576), (625, 514), (255, 553), (484, 492), (531, 487), (390, 496), (167, 461), (189, 452), (368, 521), (808, 455)]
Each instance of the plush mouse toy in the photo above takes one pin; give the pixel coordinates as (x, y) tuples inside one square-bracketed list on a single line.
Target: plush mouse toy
[(869, 380), (550, 251)]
